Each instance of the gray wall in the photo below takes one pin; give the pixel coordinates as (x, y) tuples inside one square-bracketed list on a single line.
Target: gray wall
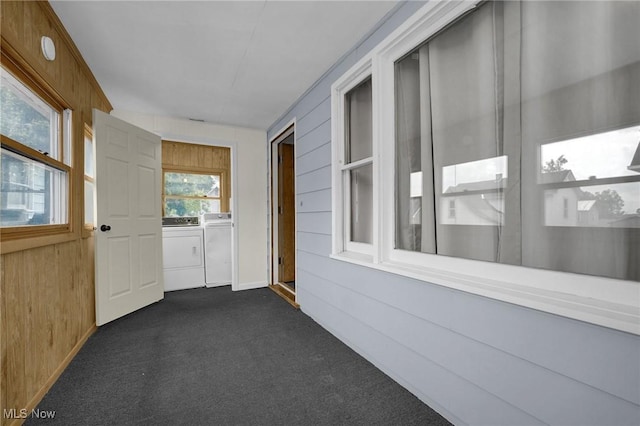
[(473, 359)]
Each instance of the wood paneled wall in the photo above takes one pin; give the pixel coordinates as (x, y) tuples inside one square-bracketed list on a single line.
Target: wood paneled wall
[(46, 290), (189, 157)]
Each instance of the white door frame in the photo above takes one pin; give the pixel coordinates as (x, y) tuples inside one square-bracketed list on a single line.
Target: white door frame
[(233, 203)]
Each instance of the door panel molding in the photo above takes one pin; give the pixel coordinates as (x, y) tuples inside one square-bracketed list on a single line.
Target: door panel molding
[(128, 253)]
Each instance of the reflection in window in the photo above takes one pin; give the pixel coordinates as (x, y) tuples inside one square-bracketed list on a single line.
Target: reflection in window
[(614, 205), (475, 175), (595, 160), (509, 80), (475, 188), (602, 155)]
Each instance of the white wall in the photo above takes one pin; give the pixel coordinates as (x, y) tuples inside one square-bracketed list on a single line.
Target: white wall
[(250, 191)]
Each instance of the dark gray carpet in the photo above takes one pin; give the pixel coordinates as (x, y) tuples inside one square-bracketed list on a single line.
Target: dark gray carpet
[(215, 357)]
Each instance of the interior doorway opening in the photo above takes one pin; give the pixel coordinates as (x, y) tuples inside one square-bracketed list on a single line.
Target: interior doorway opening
[(283, 215)]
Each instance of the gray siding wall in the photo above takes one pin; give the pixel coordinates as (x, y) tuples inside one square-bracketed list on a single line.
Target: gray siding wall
[(475, 360)]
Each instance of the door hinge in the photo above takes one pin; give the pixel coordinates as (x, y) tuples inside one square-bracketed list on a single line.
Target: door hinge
[(279, 159), (279, 209), (279, 261)]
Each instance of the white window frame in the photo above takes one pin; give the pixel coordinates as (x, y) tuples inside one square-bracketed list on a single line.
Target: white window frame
[(603, 301), (341, 194)]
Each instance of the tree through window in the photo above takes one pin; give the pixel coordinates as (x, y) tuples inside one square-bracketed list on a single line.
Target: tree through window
[(191, 194)]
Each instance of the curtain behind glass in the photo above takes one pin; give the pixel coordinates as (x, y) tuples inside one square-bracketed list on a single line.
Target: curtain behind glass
[(581, 90), (415, 228), (359, 147), (472, 171), (359, 122)]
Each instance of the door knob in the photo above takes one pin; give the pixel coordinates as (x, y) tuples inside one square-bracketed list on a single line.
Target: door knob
[(105, 228)]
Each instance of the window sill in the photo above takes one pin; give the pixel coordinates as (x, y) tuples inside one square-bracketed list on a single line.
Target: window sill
[(619, 316)]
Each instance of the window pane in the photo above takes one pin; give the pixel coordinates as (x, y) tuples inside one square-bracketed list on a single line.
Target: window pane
[(27, 119), (362, 204), (580, 121), (88, 156), (190, 207), (32, 193), (359, 122), (89, 194), (195, 185), (451, 143)]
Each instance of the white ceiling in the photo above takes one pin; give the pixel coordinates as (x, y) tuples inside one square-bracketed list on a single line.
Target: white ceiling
[(229, 62)]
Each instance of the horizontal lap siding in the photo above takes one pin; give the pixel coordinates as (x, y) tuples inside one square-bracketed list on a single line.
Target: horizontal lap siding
[(473, 359)]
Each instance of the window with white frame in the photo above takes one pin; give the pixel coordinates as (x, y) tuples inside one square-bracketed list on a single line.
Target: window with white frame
[(354, 154), (509, 133), (513, 171), (36, 155)]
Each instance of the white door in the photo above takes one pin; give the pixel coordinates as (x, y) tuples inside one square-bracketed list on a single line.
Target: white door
[(128, 241)]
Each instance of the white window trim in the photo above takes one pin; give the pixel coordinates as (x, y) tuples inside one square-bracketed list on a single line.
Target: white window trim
[(598, 300), (341, 194)]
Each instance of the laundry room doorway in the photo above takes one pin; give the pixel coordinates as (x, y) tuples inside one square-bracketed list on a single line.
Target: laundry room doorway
[(283, 223)]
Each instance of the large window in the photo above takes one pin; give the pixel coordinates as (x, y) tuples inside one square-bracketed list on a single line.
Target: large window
[(191, 194), (507, 134), (35, 160), (499, 136)]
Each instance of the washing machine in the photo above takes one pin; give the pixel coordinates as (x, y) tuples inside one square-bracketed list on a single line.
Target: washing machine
[(218, 249), (183, 254)]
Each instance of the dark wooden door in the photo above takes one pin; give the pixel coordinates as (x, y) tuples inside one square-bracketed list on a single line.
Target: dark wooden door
[(286, 214)]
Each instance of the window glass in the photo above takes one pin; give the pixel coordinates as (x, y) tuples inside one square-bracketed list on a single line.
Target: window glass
[(362, 204), (89, 195), (191, 194), (190, 207), (189, 184), (89, 183), (580, 80), (32, 193), (88, 156), (26, 118), (358, 178), (359, 122), (518, 138)]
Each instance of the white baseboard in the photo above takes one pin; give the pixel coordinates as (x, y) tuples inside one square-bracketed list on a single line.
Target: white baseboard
[(250, 286)]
